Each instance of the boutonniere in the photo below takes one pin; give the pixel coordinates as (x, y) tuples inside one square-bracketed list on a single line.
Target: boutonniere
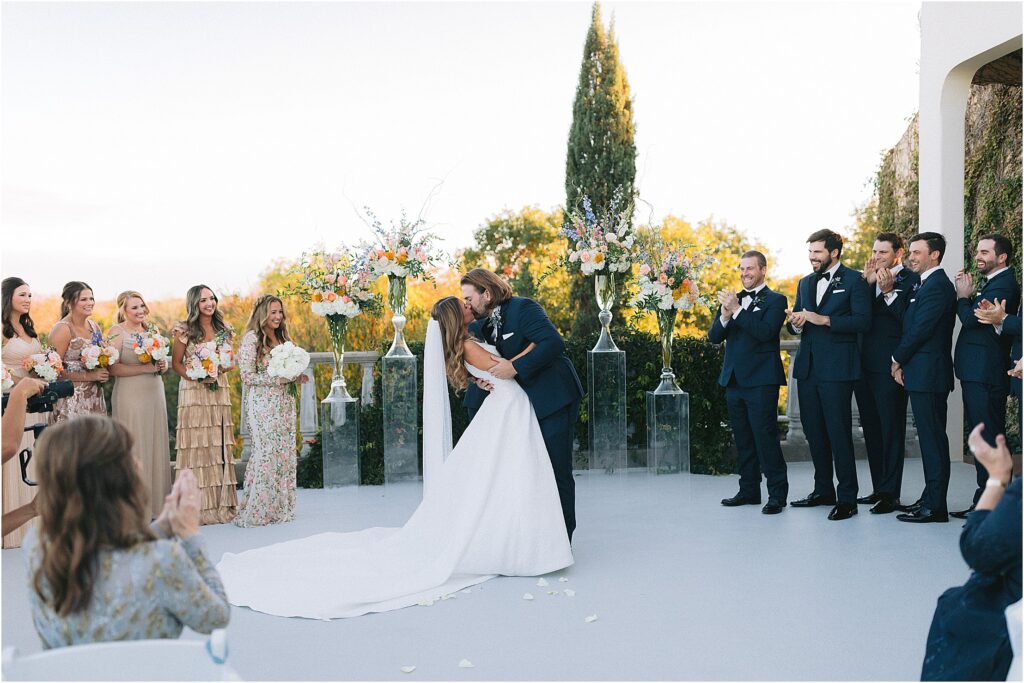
[(496, 318), (758, 300), (836, 281), (917, 286)]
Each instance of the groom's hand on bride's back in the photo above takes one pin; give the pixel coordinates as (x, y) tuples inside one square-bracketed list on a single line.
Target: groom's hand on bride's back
[(502, 369)]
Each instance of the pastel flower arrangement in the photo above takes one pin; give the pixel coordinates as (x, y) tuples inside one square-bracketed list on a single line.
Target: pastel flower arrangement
[(335, 284), (403, 249), (151, 346), (222, 345), (46, 365), (8, 380), (602, 241), (203, 363), (100, 352), (669, 278)]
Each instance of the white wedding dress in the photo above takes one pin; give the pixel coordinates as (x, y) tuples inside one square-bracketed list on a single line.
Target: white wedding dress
[(489, 508)]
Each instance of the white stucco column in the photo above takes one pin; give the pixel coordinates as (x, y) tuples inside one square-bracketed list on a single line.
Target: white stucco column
[(957, 38)]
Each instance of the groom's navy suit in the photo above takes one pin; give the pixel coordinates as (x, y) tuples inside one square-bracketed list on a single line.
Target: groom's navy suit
[(826, 365), (924, 355), (881, 401), (549, 379), (980, 361), (752, 373)]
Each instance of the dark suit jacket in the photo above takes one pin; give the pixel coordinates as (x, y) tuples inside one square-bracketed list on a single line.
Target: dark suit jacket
[(546, 374), (981, 355), (927, 337), (1012, 327), (833, 348), (878, 343), (752, 348)]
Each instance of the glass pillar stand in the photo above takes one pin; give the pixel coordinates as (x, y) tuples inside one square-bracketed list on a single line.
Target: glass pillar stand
[(606, 388), (401, 413), (340, 446), (604, 294), (668, 411), (336, 326)]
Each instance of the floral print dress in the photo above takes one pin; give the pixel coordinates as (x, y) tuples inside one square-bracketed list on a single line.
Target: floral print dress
[(88, 396), (270, 411)]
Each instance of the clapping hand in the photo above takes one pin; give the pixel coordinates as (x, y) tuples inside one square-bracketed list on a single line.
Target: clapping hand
[(730, 303), (989, 313), (996, 459), (886, 280), (180, 515), (870, 271), (797, 318), (964, 285), (1017, 370)]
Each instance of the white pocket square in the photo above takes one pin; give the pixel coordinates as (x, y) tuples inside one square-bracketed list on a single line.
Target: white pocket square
[(757, 308), (913, 300), (838, 291), (506, 336)]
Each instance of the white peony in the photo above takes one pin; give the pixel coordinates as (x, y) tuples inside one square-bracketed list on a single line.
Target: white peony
[(287, 360)]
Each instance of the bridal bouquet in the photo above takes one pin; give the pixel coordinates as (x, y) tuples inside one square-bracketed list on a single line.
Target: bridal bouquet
[(600, 242), (100, 352), (150, 346), (288, 361), (203, 363), (402, 250), (46, 365), (670, 279), (8, 379)]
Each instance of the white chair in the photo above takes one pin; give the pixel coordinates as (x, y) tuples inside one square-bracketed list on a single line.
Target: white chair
[(139, 660), (1014, 626)]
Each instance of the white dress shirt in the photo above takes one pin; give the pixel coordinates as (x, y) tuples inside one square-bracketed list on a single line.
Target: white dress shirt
[(821, 289), (747, 302), (891, 296)]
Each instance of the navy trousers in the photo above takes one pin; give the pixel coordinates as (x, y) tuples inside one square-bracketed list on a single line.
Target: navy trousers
[(827, 418), (984, 403), (930, 417), (753, 414), (882, 404)]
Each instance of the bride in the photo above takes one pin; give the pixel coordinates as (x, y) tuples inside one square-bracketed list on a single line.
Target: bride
[(490, 506)]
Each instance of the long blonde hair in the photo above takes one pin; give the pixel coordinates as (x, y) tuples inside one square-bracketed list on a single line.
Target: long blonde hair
[(448, 314), (91, 498), (258, 318), (122, 300)]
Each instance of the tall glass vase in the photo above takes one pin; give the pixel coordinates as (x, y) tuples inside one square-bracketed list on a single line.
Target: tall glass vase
[(666, 330), (398, 299), (336, 325), (604, 293)]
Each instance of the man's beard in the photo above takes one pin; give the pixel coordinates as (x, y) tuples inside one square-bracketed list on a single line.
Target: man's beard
[(825, 265)]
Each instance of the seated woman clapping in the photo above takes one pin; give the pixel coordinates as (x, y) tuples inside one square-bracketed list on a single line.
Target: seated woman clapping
[(97, 570)]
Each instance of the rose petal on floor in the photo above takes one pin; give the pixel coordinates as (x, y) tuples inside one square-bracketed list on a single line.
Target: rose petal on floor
[(552, 592), (542, 582), (408, 669), (527, 596), (563, 579), (570, 592), (425, 603), (465, 664), (591, 619)]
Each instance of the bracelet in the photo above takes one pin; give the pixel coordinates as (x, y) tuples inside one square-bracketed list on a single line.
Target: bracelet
[(992, 481)]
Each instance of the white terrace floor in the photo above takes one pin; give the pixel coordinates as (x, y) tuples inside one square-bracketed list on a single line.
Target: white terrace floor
[(682, 587)]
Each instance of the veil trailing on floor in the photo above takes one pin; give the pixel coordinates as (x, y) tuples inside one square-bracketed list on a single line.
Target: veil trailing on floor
[(437, 412)]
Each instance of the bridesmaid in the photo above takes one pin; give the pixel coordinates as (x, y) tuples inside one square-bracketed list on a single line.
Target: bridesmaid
[(205, 436), (138, 400), (67, 337), (270, 411), (19, 341)]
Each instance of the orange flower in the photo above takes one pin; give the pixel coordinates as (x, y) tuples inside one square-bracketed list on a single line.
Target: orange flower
[(145, 357), (317, 297), (402, 258), (598, 257), (331, 296), (389, 255)]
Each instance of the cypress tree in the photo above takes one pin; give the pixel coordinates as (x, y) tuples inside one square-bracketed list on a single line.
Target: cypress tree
[(601, 154)]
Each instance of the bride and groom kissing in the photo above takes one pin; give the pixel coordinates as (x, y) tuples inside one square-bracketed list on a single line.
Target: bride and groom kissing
[(490, 503)]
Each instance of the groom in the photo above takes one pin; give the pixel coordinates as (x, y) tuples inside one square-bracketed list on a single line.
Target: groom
[(511, 323)]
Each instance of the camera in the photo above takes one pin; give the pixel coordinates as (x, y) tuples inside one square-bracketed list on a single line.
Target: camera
[(43, 403)]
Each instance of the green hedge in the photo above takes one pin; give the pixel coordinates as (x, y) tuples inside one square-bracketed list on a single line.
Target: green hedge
[(696, 363)]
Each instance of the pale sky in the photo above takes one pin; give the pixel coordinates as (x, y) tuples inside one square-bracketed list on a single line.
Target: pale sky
[(151, 146)]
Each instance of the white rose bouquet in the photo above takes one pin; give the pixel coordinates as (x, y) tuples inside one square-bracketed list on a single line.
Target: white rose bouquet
[(46, 365), (288, 361)]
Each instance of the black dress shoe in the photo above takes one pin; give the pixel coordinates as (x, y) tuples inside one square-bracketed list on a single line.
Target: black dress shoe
[(740, 500), (962, 514), (883, 507), (923, 516), (913, 507), (842, 511), (773, 507), (812, 501), (868, 500)]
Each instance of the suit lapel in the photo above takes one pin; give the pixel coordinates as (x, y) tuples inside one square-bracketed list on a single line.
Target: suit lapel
[(810, 294), (831, 285)]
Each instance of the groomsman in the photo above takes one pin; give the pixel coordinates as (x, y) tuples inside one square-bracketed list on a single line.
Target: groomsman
[(922, 364), (1006, 324), (833, 307), (982, 354), (749, 322), (882, 402)]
